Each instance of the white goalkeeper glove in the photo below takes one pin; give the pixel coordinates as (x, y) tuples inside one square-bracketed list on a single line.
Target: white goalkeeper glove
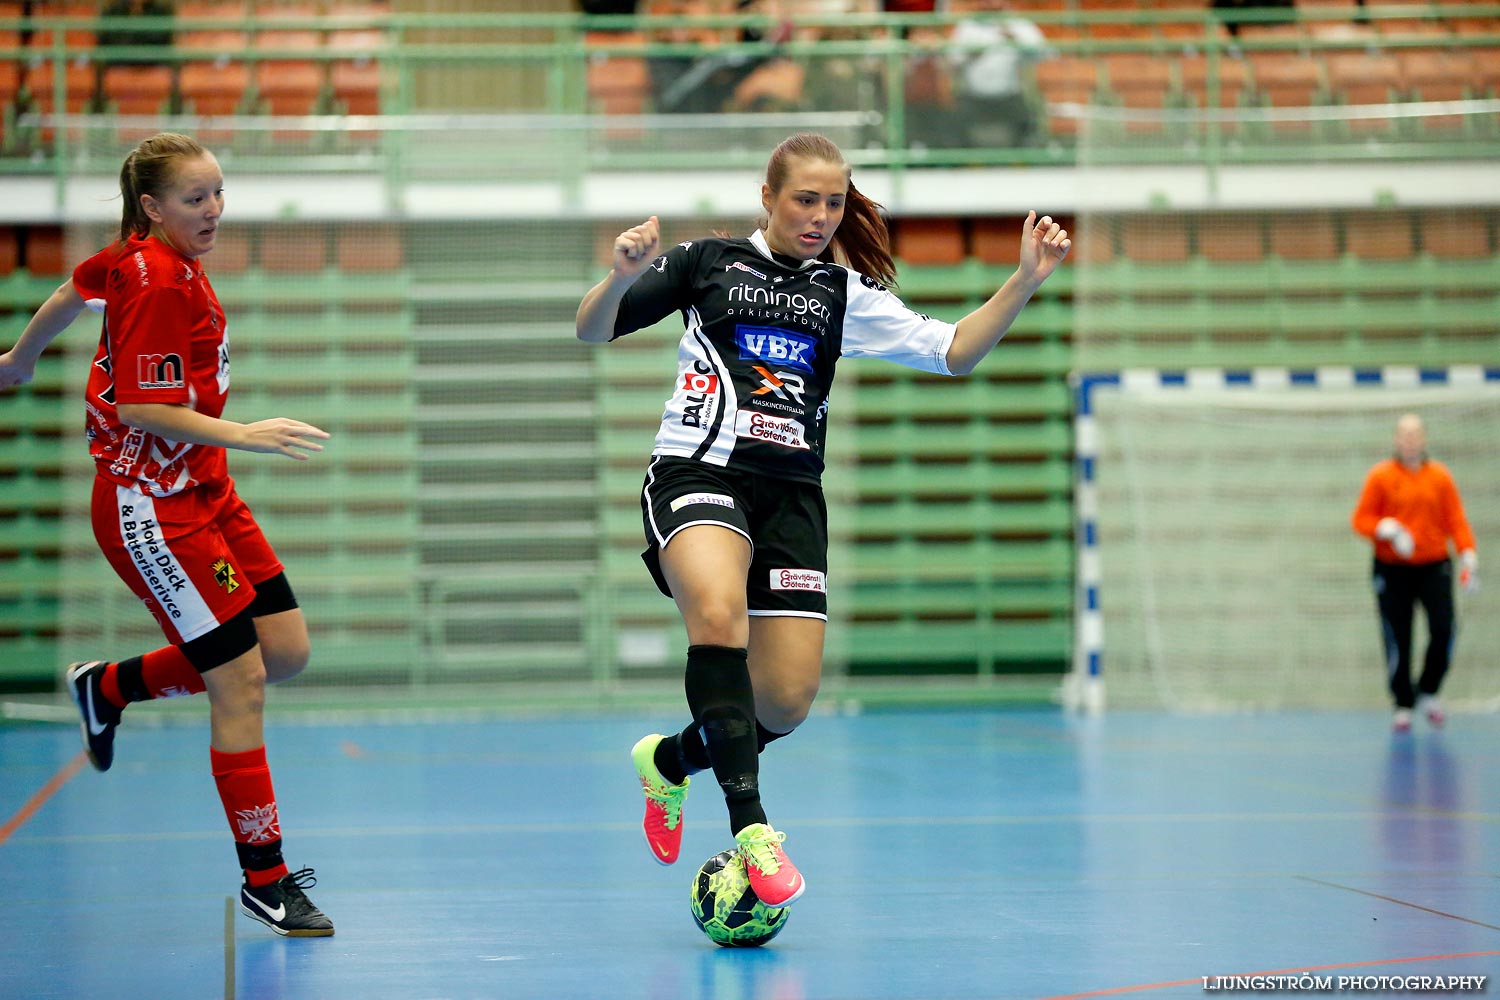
[(1391, 530), (1468, 571)]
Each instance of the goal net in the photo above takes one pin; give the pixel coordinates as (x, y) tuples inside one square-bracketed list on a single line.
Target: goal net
[(1218, 568)]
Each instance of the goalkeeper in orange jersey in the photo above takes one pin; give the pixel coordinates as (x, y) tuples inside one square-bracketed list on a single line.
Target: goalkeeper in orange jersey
[(1410, 509)]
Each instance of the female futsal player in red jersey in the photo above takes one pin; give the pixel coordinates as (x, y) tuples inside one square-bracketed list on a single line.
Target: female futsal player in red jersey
[(164, 508)]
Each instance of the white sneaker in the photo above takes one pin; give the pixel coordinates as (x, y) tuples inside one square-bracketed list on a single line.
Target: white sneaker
[(1401, 721), (1428, 706)]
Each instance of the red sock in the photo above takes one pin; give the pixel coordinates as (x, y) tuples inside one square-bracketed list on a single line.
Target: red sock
[(109, 685), (168, 674), (244, 781), (161, 673)]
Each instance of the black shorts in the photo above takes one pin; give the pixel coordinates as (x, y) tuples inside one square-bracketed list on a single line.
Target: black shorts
[(785, 522)]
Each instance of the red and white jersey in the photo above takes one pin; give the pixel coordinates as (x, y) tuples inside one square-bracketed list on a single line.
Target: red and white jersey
[(164, 341)]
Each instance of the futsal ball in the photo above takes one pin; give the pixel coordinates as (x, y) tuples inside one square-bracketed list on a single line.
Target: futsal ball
[(727, 909)]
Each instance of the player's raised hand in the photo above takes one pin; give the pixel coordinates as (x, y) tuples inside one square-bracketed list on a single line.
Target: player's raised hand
[(283, 436), (1044, 244), (14, 371), (637, 247)]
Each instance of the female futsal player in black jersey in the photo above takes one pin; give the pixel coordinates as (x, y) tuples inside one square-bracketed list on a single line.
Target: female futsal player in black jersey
[(734, 513)]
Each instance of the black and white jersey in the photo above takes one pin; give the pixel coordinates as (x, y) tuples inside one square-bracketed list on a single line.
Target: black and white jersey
[(756, 361)]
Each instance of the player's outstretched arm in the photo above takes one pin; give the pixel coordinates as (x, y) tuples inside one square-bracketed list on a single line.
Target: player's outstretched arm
[(634, 250), (276, 436), (1044, 244), (18, 365)]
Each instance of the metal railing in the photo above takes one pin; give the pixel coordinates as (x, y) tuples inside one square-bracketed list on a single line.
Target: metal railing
[(512, 91)]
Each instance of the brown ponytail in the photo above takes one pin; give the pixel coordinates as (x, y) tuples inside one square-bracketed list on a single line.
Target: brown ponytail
[(862, 241), (149, 170)]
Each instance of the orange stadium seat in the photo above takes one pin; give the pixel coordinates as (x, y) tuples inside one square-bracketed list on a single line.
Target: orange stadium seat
[(231, 252), (78, 82), (210, 89), (1357, 78), (1283, 79), (1192, 35), (363, 43), (10, 38), (218, 84), (77, 37), (1154, 238), (44, 250), (284, 12), (1231, 237), (356, 86), (10, 85), (1233, 80), (217, 10), (1303, 236), (10, 250), (930, 241), (1455, 233), (996, 241), (1364, 77), (294, 248), (1067, 79), (1439, 74), (1379, 235), (1094, 241), (1420, 11), (1139, 81), (288, 86), (368, 248), (137, 90)]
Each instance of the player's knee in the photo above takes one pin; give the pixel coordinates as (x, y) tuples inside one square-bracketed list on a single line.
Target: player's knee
[(230, 661), (285, 658), (714, 623), (785, 708), (239, 686)]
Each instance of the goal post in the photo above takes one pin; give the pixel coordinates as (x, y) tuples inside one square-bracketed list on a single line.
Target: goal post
[(1216, 566)]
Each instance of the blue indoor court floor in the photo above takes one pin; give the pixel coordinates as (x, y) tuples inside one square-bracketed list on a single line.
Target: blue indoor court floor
[(997, 854)]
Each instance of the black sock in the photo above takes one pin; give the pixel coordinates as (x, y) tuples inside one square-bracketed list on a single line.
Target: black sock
[(723, 704), (678, 756), (259, 857), (764, 736), (131, 681)]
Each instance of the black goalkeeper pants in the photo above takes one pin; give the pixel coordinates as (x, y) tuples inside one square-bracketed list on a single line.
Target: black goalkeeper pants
[(1399, 588)]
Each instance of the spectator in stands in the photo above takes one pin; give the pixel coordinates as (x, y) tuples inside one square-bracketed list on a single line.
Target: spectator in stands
[(165, 511), (158, 36), (1233, 23), (607, 6), (707, 84), (734, 514), (1410, 509), (988, 59)]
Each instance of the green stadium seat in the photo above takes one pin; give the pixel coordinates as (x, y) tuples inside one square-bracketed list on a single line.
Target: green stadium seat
[(909, 477), (971, 439)]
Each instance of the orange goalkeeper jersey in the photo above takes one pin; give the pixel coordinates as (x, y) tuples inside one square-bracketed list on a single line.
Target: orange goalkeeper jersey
[(1425, 500)]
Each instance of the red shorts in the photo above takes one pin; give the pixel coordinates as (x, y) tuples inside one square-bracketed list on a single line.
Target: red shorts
[(193, 558)]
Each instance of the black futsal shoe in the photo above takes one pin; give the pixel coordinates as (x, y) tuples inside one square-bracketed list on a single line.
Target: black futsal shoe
[(285, 908), (100, 716)]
